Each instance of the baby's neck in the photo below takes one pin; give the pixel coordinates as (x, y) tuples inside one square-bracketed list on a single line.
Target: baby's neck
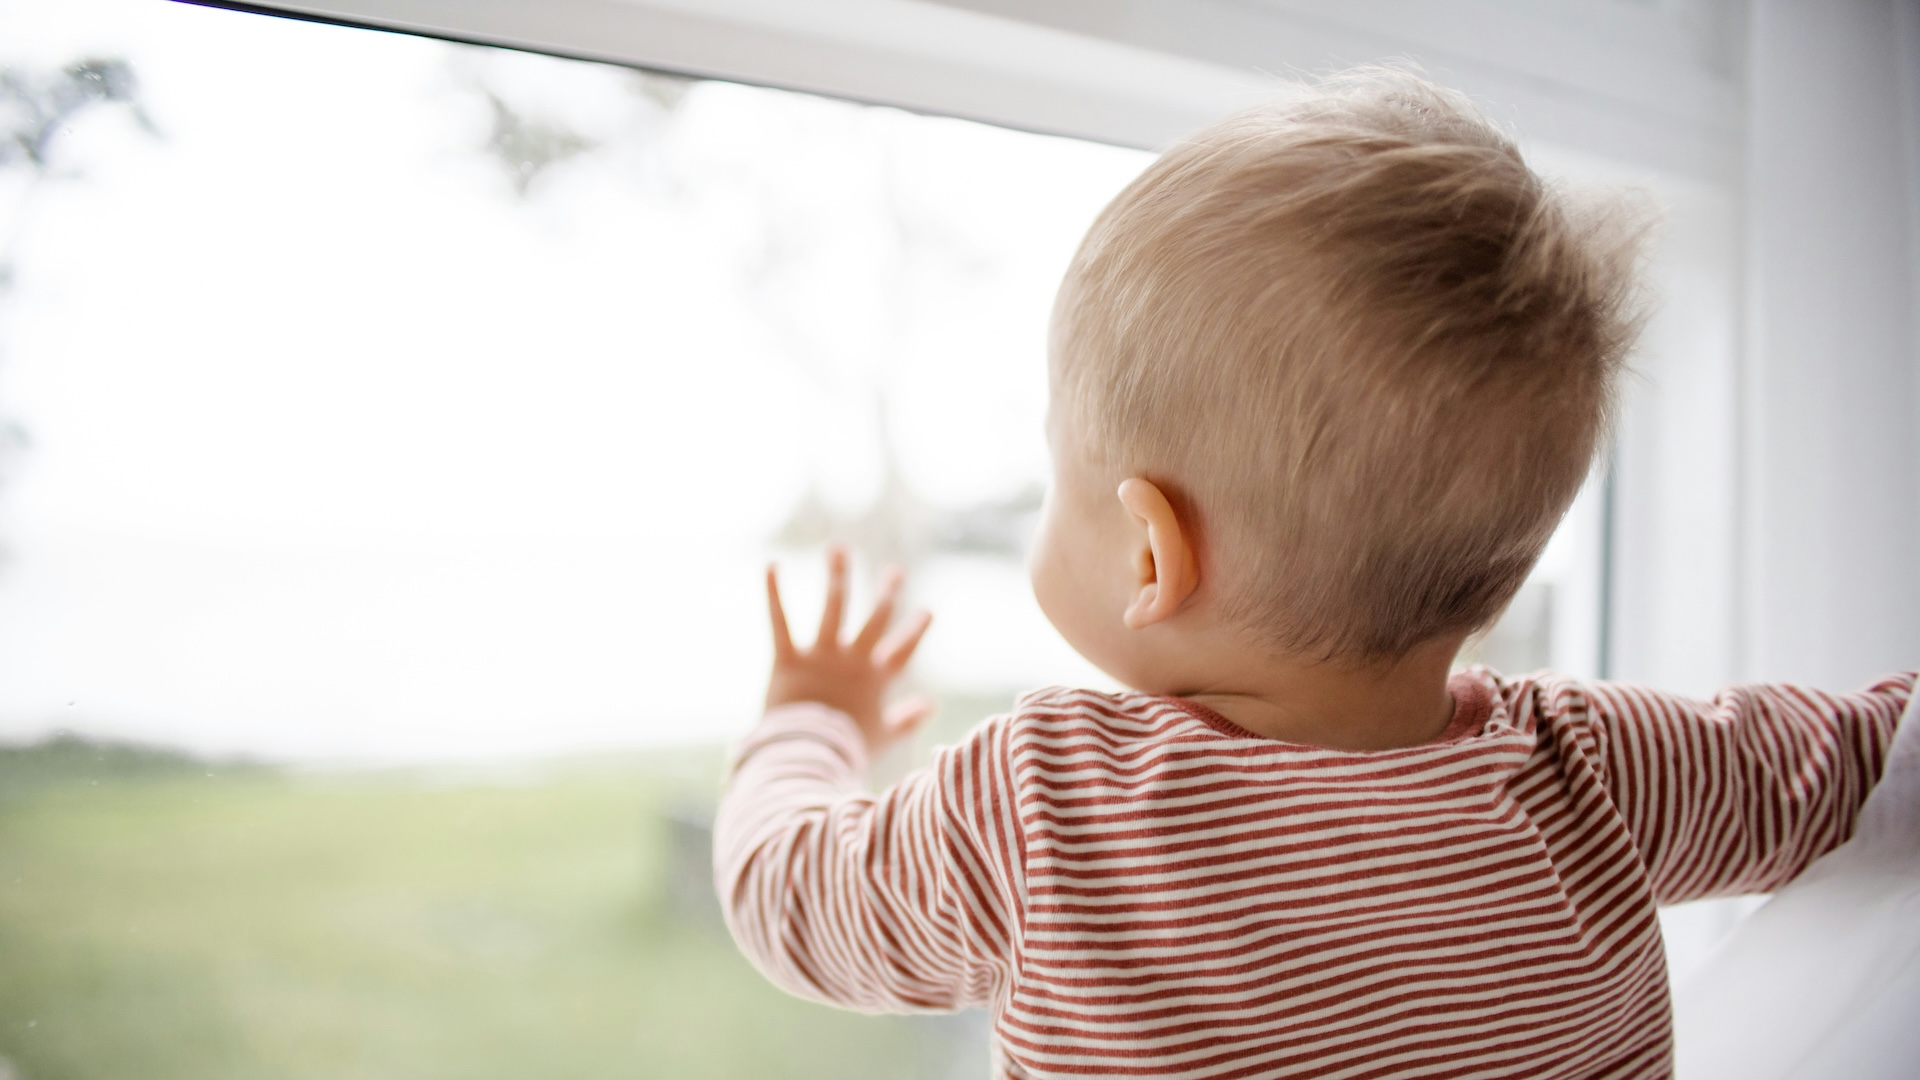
[(1380, 706)]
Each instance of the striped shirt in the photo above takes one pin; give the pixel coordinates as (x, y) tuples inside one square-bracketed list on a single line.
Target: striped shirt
[(1135, 886)]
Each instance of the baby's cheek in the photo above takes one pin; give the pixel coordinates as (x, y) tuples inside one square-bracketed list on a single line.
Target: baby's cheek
[(1052, 572), (1061, 588), (1043, 573)]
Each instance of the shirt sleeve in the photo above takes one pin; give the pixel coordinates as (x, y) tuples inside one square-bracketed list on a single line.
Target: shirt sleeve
[(870, 902), (1739, 793)]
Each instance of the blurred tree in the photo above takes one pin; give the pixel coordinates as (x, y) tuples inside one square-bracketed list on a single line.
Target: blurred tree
[(37, 107), (527, 140), (526, 145), (533, 129), (897, 525)]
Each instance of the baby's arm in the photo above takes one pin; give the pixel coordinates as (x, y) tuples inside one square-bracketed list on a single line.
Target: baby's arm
[(1740, 793), (833, 893)]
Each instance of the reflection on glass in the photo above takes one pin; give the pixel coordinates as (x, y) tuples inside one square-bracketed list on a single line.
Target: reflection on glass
[(393, 431)]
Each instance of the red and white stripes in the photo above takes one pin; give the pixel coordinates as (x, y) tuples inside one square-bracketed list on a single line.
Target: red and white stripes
[(1135, 886)]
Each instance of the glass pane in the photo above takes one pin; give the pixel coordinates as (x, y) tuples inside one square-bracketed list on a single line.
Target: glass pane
[(395, 432), (392, 433)]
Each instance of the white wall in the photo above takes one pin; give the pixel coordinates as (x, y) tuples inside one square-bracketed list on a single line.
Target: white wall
[(1831, 570)]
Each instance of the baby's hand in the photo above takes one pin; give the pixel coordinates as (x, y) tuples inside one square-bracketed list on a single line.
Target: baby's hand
[(850, 676)]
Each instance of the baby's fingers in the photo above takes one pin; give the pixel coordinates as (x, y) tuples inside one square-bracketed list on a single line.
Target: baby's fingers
[(782, 639), (836, 599), (893, 654), (876, 624)]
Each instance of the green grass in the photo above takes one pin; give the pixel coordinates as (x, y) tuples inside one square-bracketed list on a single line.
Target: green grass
[(161, 917)]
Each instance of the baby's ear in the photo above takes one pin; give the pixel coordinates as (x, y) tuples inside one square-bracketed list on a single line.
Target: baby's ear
[(1169, 572)]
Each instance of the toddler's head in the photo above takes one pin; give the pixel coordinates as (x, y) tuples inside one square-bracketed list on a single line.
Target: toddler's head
[(1363, 351)]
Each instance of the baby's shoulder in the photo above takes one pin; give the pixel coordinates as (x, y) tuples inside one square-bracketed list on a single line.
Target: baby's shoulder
[(1068, 703), (1056, 712), (1059, 730), (1548, 706)]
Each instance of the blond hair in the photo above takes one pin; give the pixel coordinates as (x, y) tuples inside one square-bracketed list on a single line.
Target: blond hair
[(1364, 347)]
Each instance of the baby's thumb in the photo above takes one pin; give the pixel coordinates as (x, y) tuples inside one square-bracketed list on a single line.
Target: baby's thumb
[(903, 717)]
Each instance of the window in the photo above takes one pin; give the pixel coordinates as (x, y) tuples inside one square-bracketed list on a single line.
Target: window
[(396, 431)]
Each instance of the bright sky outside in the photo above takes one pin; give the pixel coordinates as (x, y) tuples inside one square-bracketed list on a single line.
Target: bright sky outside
[(343, 447), (340, 448)]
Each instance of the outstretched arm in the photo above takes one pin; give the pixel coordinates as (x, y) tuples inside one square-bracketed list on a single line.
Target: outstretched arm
[(833, 893), (1739, 793)]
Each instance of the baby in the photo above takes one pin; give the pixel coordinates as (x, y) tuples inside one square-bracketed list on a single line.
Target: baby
[(1324, 380)]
